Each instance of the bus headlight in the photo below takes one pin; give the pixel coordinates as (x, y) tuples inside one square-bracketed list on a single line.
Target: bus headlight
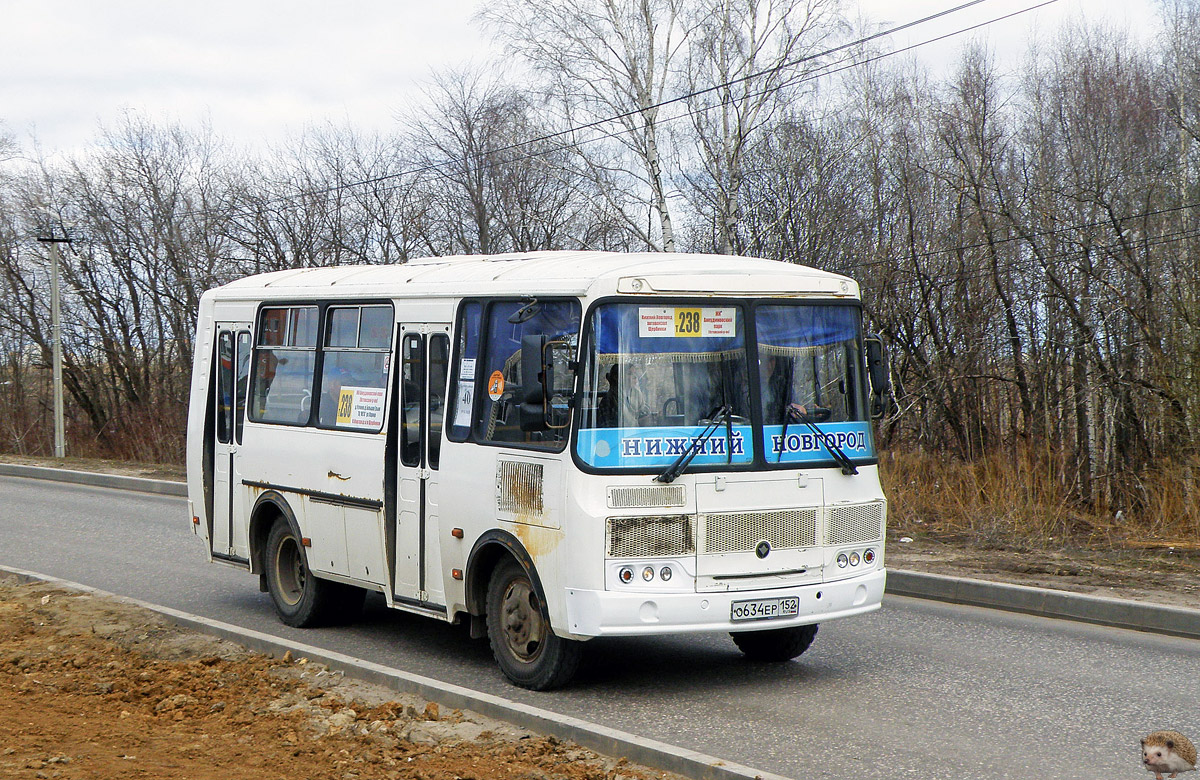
[(843, 561), (854, 559), (626, 575), (868, 556), (666, 573), (648, 573)]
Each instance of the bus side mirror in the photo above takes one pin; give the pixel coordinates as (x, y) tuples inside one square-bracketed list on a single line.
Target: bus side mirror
[(559, 382), (881, 381), (532, 408), (547, 382)]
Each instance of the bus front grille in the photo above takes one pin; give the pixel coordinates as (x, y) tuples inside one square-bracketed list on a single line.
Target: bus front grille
[(855, 523), (742, 531)]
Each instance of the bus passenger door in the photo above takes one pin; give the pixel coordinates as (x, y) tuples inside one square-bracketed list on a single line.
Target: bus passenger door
[(424, 353), (232, 368)]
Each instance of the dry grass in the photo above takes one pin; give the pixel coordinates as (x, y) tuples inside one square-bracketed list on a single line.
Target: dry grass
[(1026, 502), (144, 434)]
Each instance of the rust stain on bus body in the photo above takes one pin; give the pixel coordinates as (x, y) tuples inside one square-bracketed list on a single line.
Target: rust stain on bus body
[(538, 540)]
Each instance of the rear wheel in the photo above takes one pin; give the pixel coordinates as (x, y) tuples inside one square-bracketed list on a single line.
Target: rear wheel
[(526, 648), (776, 644), (301, 599)]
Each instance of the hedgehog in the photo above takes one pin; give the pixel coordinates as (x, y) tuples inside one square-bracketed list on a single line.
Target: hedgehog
[(1168, 751)]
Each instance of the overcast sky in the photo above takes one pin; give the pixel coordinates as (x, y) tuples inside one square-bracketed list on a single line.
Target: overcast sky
[(263, 69)]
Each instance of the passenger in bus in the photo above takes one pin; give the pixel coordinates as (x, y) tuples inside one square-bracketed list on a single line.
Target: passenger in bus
[(332, 380), (621, 406), (606, 410)]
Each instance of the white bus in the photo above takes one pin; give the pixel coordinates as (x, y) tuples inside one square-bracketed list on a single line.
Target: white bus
[(550, 446)]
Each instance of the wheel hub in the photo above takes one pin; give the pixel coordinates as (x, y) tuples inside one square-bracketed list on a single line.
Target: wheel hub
[(522, 621), (289, 568)]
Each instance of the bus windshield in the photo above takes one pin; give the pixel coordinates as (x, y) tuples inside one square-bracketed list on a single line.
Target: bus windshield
[(810, 370), (658, 376)]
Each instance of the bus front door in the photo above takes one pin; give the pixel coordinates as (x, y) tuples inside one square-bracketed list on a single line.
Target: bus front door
[(424, 357), (231, 363)]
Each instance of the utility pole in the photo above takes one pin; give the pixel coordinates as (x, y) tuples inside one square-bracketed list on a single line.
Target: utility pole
[(60, 438)]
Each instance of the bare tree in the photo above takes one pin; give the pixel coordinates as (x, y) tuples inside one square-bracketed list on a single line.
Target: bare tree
[(496, 178), (744, 58), (456, 145), (8, 145), (616, 58)]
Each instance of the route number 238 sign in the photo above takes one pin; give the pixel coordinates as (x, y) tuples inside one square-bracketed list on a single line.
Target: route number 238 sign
[(680, 322)]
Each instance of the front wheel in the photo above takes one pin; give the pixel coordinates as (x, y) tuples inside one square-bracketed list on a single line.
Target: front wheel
[(776, 644), (526, 648), (301, 599)]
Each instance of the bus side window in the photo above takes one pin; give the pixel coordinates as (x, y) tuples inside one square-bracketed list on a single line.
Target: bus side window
[(224, 386), (497, 417), (354, 367), (242, 379), (439, 349), (464, 375), (284, 360), (412, 391)]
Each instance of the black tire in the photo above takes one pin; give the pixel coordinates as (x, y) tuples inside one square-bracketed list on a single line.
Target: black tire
[(775, 644), (527, 650), (301, 599)]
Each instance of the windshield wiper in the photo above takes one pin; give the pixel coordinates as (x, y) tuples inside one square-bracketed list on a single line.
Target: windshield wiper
[(728, 409), (675, 469), (787, 418), (787, 407), (839, 455)]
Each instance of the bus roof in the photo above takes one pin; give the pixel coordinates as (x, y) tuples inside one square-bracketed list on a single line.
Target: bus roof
[(548, 273)]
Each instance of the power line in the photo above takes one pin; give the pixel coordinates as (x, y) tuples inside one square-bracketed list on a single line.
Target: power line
[(825, 71), (598, 123)]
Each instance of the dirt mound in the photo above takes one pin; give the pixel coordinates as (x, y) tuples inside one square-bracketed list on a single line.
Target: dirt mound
[(96, 688)]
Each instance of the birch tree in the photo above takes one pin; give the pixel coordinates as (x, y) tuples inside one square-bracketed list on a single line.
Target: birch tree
[(616, 59), (744, 59)]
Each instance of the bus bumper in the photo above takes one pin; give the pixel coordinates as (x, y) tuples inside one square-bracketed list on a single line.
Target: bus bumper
[(592, 613)]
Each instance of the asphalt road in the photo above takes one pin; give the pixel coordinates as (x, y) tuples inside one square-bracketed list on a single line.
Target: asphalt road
[(916, 689)]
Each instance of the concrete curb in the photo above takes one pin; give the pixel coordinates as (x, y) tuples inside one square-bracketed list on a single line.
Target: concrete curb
[(602, 739), (1045, 602), (163, 487)]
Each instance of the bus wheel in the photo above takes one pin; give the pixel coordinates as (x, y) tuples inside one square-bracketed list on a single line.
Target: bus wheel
[(300, 599), (776, 644), (526, 648)]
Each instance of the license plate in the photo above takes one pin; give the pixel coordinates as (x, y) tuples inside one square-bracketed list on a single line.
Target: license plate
[(765, 609)]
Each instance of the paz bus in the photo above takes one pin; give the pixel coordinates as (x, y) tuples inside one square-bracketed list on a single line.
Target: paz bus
[(549, 447)]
